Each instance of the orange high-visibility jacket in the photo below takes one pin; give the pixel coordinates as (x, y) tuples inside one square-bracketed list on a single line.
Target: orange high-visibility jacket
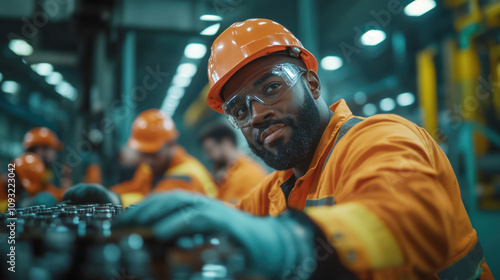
[(4, 200), (184, 172), (51, 188), (385, 196), (93, 174), (241, 177)]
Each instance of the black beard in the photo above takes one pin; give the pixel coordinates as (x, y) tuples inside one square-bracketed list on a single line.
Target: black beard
[(302, 143)]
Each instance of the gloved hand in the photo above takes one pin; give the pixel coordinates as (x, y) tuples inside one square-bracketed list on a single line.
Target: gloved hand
[(90, 193), (276, 247)]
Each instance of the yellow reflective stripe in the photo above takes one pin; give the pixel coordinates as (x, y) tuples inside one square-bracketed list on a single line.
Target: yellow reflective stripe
[(47, 175), (131, 198), (372, 239), (198, 171), (3, 206)]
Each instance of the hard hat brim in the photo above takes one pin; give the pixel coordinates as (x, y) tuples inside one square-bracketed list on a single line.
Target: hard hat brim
[(145, 147)]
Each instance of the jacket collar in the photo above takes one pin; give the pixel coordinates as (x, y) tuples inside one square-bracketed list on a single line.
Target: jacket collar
[(340, 115)]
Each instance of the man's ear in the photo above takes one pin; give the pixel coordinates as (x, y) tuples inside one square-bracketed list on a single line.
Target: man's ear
[(313, 83)]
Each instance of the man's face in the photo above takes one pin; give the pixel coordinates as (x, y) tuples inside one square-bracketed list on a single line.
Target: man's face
[(287, 132), (158, 161), (47, 154), (214, 151)]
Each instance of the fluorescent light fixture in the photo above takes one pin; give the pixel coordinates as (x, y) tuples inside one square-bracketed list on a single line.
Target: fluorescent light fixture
[(180, 81), (387, 104), (195, 50), (419, 7), (65, 89), (174, 95), (208, 17), (369, 109), (54, 78), (175, 92), (170, 105), (186, 69), (20, 47), (405, 99), (360, 98), (373, 37), (43, 69), (10, 87), (211, 30), (331, 63)]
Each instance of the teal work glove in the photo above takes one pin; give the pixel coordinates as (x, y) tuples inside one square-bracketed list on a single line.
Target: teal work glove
[(282, 247), (90, 193)]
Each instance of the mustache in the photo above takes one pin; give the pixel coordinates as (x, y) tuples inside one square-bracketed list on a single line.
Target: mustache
[(267, 124)]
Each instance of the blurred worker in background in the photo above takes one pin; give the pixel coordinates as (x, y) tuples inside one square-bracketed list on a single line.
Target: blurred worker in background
[(45, 143), (30, 186), (165, 165), (93, 174), (233, 171), (376, 197), (3, 193)]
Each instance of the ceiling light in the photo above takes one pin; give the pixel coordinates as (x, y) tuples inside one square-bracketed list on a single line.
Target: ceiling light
[(331, 63), (65, 89), (54, 78), (369, 109), (211, 30), (43, 69), (360, 98), (170, 105), (186, 69), (419, 7), (10, 87), (405, 99), (181, 81), (208, 17), (20, 47), (175, 92), (195, 50), (373, 37), (387, 104)]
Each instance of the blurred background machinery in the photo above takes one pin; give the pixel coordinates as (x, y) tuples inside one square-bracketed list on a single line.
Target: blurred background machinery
[(87, 68)]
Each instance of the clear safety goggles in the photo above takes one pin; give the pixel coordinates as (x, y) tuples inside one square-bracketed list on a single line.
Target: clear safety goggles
[(266, 87)]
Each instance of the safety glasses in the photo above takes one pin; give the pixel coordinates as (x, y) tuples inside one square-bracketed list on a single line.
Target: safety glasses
[(266, 87)]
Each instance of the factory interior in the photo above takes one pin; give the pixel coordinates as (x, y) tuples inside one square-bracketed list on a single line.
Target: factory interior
[(85, 70)]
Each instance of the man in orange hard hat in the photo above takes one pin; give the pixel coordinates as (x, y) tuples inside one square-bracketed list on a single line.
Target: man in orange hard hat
[(44, 142), (234, 172), (371, 198), (165, 165), (28, 183)]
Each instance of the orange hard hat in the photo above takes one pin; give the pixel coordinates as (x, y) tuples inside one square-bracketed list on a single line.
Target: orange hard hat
[(151, 130), (42, 136), (30, 170), (243, 42)]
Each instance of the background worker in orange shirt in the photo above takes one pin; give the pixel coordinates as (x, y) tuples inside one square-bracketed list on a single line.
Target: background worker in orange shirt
[(233, 171), (372, 198), (165, 166), (44, 142), (30, 186)]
